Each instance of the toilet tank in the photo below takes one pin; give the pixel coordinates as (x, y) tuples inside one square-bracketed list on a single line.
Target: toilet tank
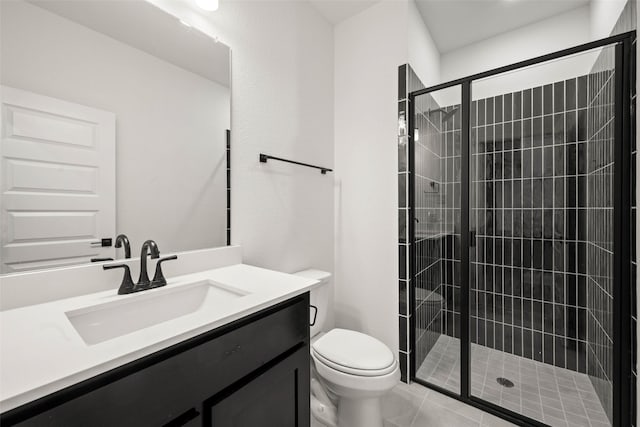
[(320, 298)]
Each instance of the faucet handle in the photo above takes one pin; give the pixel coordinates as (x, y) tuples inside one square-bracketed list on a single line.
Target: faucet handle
[(127, 286), (158, 277)]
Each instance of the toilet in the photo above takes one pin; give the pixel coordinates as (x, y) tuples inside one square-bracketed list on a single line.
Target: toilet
[(351, 370)]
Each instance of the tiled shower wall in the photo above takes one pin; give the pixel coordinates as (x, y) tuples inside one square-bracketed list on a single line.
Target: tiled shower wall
[(451, 169), (528, 197), (600, 221), (427, 225), (435, 255), (532, 165), (545, 225), (437, 223), (407, 82), (600, 230)]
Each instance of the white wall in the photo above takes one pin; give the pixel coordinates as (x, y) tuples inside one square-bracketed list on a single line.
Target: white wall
[(604, 15), (424, 56), (369, 47), (171, 182), (560, 32), (282, 104)]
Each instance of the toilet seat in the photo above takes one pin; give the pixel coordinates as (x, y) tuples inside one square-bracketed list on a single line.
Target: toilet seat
[(347, 385), (354, 353)]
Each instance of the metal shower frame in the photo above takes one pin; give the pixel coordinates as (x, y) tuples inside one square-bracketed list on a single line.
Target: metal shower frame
[(623, 379)]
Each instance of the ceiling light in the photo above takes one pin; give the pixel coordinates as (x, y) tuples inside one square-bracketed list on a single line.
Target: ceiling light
[(208, 5)]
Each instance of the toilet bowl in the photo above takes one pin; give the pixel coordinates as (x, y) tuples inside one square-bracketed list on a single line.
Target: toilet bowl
[(351, 371), (358, 369)]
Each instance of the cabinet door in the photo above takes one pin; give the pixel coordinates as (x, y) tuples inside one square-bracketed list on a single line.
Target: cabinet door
[(278, 397)]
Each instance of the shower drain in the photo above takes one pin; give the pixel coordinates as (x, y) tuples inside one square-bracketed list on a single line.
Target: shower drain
[(504, 382)]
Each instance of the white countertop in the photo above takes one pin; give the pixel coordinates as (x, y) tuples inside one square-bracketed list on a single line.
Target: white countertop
[(41, 352)]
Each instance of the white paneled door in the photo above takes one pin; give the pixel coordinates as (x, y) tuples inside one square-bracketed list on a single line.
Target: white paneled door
[(57, 171)]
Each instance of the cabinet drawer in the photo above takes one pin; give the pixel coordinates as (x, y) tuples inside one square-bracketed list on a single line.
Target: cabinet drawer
[(160, 387)]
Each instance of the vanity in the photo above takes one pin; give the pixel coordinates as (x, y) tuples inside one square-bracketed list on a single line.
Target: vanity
[(234, 351)]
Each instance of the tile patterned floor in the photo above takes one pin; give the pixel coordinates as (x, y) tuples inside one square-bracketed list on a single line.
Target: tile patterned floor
[(558, 397), (416, 406)]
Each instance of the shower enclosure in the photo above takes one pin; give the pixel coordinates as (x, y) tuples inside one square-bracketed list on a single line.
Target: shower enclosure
[(520, 189)]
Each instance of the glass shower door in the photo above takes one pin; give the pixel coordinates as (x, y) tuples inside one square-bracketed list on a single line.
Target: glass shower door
[(520, 191), (541, 173), (437, 208)]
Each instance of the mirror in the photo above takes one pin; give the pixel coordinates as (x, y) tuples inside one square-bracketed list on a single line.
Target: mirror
[(115, 119)]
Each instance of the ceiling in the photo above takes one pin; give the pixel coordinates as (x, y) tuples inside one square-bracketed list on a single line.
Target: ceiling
[(336, 11), (457, 23)]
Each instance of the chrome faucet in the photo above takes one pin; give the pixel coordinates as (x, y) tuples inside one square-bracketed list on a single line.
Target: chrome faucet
[(123, 240), (143, 281)]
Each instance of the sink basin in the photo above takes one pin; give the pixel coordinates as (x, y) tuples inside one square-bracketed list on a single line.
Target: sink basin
[(110, 320)]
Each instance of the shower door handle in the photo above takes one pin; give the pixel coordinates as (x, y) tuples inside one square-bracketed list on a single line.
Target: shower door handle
[(472, 238)]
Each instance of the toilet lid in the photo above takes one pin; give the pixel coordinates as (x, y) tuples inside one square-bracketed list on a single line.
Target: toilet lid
[(354, 353)]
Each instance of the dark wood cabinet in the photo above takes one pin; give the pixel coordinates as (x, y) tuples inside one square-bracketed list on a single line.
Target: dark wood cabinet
[(278, 396), (256, 368)]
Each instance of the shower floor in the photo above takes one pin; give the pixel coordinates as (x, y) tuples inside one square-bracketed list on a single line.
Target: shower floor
[(555, 396)]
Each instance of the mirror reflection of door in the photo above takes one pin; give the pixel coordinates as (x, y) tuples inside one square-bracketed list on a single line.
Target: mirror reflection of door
[(169, 87), (58, 186)]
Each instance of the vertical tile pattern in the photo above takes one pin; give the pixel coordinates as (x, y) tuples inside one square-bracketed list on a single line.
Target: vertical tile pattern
[(437, 228), (436, 196), (528, 172), (428, 213), (627, 22), (600, 256), (228, 163), (542, 163), (600, 206), (634, 273), (430, 301), (404, 244), (407, 250), (634, 260), (451, 128)]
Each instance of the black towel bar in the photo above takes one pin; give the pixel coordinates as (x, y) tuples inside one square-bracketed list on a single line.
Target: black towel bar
[(265, 157)]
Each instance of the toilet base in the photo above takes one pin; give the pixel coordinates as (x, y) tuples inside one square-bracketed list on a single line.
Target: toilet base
[(359, 412)]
